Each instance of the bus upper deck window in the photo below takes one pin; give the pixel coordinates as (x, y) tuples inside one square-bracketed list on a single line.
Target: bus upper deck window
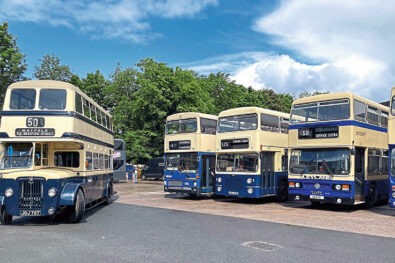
[(52, 99), (78, 103), (23, 99)]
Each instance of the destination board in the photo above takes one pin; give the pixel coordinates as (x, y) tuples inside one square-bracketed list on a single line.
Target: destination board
[(235, 144), (180, 145), (35, 132)]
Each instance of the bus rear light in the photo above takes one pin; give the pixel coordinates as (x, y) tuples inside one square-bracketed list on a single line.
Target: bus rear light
[(291, 185), (345, 187)]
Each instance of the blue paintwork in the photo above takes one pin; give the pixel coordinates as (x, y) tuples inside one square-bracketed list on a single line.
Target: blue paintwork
[(391, 180), (66, 191), (326, 188), (188, 180), (236, 185), (338, 123)]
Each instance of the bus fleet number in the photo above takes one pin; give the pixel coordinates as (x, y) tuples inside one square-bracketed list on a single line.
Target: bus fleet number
[(35, 122)]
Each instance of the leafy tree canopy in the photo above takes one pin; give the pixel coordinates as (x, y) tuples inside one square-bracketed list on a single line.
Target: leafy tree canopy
[(50, 68)]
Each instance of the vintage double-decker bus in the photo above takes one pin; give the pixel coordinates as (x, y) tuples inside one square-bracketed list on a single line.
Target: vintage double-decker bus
[(190, 153), (56, 147), (391, 143), (251, 152), (338, 150)]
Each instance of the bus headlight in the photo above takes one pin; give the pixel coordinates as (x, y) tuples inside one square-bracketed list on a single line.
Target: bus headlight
[(297, 185), (249, 180), (219, 188), (8, 192), (250, 190), (195, 184), (338, 187), (52, 192), (219, 179), (393, 194)]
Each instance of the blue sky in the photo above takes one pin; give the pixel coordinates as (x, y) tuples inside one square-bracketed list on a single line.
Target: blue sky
[(288, 46)]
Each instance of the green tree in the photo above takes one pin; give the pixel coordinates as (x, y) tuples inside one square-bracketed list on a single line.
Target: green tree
[(50, 68), (12, 61)]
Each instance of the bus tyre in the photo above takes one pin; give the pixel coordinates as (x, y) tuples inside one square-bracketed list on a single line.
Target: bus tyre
[(5, 219), (79, 208), (371, 198), (282, 195), (109, 194)]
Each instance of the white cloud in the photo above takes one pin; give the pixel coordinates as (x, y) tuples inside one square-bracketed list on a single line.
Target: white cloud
[(354, 39), (109, 19), (349, 46)]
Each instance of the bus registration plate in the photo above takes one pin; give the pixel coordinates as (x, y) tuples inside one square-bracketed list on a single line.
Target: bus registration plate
[(30, 213), (317, 197)]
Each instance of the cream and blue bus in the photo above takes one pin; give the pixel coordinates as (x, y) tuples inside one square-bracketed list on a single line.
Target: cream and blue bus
[(56, 147), (190, 153), (338, 150), (251, 150), (391, 143)]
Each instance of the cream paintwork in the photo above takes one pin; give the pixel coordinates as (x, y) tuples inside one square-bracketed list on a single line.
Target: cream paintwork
[(200, 142), (361, 137), (61, 124), (391, 122), (258, 140)]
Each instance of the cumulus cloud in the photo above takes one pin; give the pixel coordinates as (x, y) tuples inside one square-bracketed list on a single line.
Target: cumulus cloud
[(345, 45), (109, 19)]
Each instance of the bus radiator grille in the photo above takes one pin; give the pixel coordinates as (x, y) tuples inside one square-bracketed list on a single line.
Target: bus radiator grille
[(31, 193)]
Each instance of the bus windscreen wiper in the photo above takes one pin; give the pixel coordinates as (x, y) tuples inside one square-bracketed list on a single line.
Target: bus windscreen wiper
[(327, 167)]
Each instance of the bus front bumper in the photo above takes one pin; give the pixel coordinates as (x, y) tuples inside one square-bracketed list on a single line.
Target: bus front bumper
[(32, 204), (321, 191)]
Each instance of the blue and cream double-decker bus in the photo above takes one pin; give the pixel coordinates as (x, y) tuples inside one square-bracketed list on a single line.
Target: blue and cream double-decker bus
[(338, 150), (251, 152), (391, 143), (190, 153), (56, 147)]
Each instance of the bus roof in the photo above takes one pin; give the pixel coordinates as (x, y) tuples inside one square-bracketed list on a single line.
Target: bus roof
[(338, 95), (249, 110), (189, 115), (53, 84)]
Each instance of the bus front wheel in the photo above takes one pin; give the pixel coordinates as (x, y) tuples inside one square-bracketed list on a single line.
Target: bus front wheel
[(79, 207), (6, 218), (282, 195)]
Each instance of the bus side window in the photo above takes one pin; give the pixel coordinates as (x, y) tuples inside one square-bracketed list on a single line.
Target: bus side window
[(89, 165), (45, 155), (95, 161), (93, 113), (86, 108), (384, 163), (101, 161), (373, 161), (78, 103), (359, 110), (270, 123), (284, 162), (284, 122)]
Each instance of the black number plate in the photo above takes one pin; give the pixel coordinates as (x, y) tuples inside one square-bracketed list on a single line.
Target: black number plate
[(35, 122), (30, 213)]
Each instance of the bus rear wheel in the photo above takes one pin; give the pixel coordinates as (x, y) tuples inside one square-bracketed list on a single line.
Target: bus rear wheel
[(109, 194), (79, 208), (371, 198), (6, 219)]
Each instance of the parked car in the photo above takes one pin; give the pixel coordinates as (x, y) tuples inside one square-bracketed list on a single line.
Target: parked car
[(153, 169)]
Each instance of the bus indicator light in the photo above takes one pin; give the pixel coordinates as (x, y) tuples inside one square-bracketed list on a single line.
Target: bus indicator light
[(345, 187), (393, 188), (292, 184)]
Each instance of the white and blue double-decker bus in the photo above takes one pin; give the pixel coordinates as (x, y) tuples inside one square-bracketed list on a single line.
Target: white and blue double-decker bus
[(190, 153), (56, 147), (338, 150), (252, 153)]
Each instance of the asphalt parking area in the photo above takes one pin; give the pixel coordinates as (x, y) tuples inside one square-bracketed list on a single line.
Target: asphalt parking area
[(377, 221)]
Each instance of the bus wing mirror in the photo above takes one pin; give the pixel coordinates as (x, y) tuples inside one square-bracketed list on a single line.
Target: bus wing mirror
[(353, 150)]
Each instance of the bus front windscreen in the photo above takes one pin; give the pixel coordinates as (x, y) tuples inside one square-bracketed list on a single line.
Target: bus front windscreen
[(184, 162), (320, 161), (16, 155), (237, 162), (321, 111), (238, 123), (181, 126)]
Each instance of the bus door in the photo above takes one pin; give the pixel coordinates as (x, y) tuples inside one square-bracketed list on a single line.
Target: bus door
[(359, 172), (267, 172), (208, 174)]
